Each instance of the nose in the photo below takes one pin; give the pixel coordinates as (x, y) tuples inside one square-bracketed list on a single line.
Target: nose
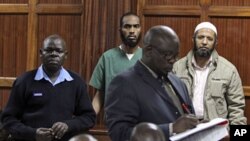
[(204, 41), (54, 52), (132, 30)]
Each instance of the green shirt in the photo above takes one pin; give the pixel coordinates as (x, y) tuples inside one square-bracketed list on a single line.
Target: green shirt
[(109, 65)]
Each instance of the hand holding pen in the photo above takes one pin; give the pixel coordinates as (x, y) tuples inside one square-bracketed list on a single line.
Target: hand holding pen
[(185, 122), (185, 108)]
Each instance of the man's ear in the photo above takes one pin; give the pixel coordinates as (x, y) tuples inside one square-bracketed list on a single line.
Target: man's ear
[(216, 41), (148, 50), (193, 38), (66, 54), (40, 52)]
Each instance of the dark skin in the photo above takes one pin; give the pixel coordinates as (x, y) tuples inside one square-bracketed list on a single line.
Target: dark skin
[(161, 48), (147, 132), (52, 54), (83, 137), (130, 32)]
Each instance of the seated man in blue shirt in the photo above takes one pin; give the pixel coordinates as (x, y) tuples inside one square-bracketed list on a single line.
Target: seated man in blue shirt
[(49, 102)]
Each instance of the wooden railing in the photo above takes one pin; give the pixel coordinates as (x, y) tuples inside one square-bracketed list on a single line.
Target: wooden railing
[(6, 82), (100, 133)]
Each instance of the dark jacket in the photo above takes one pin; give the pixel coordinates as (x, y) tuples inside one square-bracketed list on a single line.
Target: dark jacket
[(34, 104), (135, 96)]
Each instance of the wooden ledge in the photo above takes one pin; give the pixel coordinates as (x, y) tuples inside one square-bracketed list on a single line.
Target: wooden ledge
[(6, 82), (99, 131)]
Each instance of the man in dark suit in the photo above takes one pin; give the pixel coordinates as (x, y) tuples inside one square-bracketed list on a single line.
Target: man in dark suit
[(149, 92)]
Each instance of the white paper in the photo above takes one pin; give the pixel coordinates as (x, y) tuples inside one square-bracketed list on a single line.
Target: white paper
[(213, 130)]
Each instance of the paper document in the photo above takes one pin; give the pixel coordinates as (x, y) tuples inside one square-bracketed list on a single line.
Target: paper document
[(213, 130)]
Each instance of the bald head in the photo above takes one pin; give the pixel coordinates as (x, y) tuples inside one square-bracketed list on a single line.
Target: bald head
[(160, 35), (147, 132), (83, 137), (160, 49), (54, 39)]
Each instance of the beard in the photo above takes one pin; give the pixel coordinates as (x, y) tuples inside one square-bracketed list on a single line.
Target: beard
[(130, 42), (203, 51)]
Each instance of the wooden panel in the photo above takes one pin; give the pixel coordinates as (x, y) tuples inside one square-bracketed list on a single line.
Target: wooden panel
[(247, 109), (233, 42), (171, 10), (229, 11), (5, 87), (90, 27), (100, 134), (231, 2), (6, 82), (61, 1), (176, 23), (247, 91), (172, 2), (13, 45), (4, 96), (13, 1), (68, 27), (32, 36), (62, 9), (13, 8)]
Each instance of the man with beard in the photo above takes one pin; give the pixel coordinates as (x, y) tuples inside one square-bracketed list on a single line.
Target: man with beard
[(149, 92), (212, 81), (117, 59), (49, 103)]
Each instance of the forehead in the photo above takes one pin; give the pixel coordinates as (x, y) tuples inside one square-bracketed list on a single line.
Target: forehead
[(169, 46), (131, 20), (53, 43), (206, 32), (164, 42)]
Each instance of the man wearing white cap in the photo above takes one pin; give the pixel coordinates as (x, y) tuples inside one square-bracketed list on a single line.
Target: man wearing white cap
[(213, 82)]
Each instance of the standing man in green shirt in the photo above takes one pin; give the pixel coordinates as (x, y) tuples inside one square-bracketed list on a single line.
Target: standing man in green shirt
[(117, 59)]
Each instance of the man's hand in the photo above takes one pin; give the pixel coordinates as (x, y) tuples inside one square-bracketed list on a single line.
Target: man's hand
[(59, 129), (185, 122), (44, 134)]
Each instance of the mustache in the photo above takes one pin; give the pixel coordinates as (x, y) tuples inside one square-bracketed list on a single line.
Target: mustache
[(127, 41)]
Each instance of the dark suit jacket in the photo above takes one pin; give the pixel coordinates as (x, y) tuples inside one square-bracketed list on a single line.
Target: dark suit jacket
[(135, 96)]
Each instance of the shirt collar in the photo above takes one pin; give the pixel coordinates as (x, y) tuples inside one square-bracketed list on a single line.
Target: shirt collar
[(150, 70), (196, 66), (64, 75)]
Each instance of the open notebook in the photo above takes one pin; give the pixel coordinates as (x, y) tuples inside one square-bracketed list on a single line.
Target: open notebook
[(213, 130)]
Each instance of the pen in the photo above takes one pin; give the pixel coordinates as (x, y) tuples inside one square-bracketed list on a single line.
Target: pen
[(184, 106)]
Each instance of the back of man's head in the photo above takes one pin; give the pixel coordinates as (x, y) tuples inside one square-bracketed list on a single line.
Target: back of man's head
[(147, 132), (83, 137), (160, 34)]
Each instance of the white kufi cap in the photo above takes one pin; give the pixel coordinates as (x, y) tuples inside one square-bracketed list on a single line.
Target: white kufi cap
[(206, 25)]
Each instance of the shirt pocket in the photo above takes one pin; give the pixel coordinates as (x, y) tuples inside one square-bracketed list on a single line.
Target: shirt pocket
[(218, 91)]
